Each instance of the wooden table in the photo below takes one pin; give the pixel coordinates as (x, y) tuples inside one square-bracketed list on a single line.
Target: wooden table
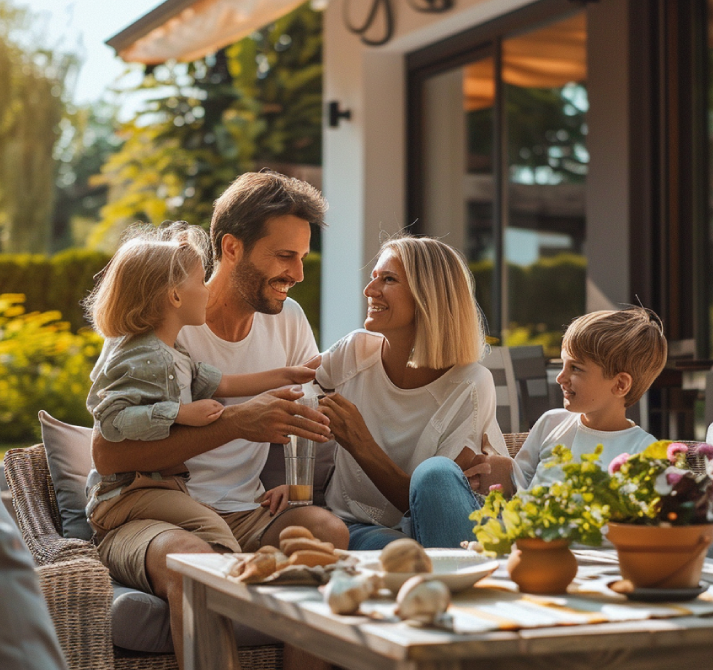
[(298, 616)]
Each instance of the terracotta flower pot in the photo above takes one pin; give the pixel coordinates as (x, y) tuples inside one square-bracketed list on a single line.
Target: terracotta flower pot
[(661, 557), (537, 566)]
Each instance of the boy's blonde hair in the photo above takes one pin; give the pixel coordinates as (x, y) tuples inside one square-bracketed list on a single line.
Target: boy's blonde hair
[(628, 340), (132, 292), (449, 330)]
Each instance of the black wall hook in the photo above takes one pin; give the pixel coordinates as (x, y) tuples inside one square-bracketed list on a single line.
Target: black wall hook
[(335, 114)]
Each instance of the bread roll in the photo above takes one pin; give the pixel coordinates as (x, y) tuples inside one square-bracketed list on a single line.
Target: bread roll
[(293, 532)]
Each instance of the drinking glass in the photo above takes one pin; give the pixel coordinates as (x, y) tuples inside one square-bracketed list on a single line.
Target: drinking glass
[(299, 462)]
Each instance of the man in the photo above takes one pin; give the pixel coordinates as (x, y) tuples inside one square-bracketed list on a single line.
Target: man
[(260, 234)]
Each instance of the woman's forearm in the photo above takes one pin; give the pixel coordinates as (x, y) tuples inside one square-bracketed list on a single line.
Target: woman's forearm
[(388, 477)]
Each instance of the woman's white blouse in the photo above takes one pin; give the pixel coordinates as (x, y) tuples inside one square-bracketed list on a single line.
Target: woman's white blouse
[(410, 425)]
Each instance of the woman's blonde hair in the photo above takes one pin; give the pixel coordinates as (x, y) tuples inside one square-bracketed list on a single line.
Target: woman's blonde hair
[(626, 340), (449, 330), (131, 294)]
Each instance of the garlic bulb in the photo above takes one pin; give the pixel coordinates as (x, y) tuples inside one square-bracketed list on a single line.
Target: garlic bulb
[(344, 593), (423, 600), (405, 555)]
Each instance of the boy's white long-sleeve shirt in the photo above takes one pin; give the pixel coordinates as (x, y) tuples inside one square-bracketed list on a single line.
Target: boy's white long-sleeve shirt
[(559, 426)]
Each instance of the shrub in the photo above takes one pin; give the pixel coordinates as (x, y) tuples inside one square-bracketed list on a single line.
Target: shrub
[(51, 283), (43, 365)]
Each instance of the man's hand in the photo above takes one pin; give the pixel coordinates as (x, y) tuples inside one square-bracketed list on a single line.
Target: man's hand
[(199, 412), (274, 416), (276, 499)]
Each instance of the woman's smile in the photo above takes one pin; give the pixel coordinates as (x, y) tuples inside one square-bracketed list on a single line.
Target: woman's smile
[(390, 303)]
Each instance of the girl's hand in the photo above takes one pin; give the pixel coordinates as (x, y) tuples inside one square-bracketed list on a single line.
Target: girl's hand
[(298, 374), (276, 499), (199, 413), (345, 421)]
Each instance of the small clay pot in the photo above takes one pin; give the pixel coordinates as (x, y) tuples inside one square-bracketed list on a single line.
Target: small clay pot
[(668, 557), (542, 567)]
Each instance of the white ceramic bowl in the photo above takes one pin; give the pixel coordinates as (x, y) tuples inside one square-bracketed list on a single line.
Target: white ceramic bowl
[(458, 569)]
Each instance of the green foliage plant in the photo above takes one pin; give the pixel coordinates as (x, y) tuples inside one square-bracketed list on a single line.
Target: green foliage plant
[(565, 510), (254, 104), (654, 487), (43, 365)]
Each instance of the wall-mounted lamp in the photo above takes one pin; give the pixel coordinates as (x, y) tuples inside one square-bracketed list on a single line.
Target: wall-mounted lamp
[(335, 114)]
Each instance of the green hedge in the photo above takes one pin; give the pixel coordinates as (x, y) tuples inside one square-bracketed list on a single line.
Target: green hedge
[(544, 298), (60, 282), (56, 282)]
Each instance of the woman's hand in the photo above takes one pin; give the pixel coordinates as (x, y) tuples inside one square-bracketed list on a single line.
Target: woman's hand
[(486, 469), (346, 422), (276, 499)]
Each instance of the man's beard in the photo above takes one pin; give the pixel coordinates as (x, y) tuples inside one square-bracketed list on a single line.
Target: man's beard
[(252, 285)]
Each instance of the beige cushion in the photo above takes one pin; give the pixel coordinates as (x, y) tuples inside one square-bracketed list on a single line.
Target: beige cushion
[(69, 458)]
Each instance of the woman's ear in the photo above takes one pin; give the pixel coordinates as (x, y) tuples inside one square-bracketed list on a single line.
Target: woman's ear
[(622, 385)]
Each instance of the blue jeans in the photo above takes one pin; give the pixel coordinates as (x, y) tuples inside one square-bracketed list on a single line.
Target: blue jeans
[(363, 536), (440, 501)]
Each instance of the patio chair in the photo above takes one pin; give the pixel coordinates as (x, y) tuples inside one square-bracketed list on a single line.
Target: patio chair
[(500, 365), (530, 369)]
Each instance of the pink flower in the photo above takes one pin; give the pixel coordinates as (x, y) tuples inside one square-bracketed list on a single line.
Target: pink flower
[(617, 462), (705, 449), (675, 448), (674, 477), (496, 487)]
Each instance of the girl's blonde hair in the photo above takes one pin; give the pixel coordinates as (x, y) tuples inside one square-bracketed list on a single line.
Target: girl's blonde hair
[(449, 330), (131, 294)]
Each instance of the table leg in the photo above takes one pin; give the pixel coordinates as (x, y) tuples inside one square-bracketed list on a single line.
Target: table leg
[(208, 640)]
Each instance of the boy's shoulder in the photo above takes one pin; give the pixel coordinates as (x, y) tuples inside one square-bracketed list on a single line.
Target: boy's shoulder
[(555, 417)]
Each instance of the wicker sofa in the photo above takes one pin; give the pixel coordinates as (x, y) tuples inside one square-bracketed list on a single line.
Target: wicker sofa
[(77, 586)]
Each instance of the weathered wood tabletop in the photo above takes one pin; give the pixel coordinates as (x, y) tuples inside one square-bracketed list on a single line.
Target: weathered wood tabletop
[(495, 627)]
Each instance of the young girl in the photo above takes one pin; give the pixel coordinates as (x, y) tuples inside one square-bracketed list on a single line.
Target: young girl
[(143, 382)]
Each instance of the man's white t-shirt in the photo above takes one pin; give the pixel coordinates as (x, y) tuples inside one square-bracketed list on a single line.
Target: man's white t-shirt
[(410, 425), (228, 477), (559, 426)]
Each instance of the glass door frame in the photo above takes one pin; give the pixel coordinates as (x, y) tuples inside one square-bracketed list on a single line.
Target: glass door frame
[(477, 43)]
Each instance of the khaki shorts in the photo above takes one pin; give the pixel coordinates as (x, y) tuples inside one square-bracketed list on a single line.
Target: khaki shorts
[(123, 550), (162, 500)]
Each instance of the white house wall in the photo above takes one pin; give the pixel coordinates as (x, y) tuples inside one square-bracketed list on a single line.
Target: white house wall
[(364, 158)]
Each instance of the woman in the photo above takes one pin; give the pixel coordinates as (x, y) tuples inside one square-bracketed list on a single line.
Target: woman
[(409, 388)]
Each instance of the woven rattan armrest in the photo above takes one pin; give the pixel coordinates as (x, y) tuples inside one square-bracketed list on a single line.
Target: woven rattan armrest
[(513, 441), (35, 504), (79, 595)]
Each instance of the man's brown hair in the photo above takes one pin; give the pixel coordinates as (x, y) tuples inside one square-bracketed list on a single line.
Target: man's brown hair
[(254, 198), (629, 340)]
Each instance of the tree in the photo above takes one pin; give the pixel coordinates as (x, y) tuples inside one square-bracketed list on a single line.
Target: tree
[(88, 137), (32, 86), (256, 102)]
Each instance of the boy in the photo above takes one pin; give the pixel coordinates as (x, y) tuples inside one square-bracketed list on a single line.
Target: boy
[(609, 360)]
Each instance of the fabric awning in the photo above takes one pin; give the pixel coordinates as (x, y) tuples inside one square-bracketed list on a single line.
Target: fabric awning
[(547, 58), (185, 30)]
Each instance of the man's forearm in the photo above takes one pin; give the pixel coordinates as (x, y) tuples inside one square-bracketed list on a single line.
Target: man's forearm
[(269, 417), (183, 443)]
